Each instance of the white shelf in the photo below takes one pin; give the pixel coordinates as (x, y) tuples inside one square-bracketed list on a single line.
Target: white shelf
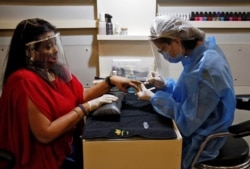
[(122, 37), (60, 24), (221, 24), (199, 24), (74, 24)]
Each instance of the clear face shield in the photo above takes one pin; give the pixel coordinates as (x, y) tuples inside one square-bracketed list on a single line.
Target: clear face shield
[(160, 64), (48, 55)]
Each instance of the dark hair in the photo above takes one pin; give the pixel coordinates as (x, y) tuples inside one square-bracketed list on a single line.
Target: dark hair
[(26, 31), (163, 40), (187, 44)]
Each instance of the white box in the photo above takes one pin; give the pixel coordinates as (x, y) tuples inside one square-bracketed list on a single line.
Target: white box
[(134, 153)]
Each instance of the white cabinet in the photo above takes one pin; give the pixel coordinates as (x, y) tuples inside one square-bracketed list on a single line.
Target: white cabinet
[(136, 15), (180, 7), (65, 15)]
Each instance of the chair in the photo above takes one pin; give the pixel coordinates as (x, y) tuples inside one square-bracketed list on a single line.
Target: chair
[(7, 159), (235, 152)]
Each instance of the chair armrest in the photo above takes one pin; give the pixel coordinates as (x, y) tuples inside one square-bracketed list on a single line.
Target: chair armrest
[(243, 102), (240, 130), (7, 157), (204, 143)]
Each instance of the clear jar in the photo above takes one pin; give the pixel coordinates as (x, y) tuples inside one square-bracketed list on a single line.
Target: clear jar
[(124, 31)]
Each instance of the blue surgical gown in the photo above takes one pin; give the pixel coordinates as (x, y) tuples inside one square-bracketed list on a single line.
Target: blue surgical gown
[(201, 102)]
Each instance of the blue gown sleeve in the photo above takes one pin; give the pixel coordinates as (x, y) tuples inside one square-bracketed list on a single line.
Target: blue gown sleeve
[(170, 84)]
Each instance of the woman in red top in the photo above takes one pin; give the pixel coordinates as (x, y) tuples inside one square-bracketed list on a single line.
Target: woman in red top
[(42, 103)]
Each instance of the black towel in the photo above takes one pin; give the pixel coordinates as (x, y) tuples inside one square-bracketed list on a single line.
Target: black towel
[(137, 118)]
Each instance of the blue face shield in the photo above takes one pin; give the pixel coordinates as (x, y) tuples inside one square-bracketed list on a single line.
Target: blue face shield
[(171, 59)]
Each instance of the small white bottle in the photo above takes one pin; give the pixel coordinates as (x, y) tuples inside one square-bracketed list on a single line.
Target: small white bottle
[(102, 24), (114, 72), (117, 29)]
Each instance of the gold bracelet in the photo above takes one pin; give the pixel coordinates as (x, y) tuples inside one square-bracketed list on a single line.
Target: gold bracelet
[(83, 109), (79, 116)]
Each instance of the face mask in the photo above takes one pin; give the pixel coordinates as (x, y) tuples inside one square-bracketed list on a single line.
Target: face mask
[(171, 59)]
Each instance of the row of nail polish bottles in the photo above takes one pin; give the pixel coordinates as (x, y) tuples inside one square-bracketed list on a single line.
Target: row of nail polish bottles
[(220, 16)]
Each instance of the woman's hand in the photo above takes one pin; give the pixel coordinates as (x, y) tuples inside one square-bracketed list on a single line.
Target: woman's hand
[(123, 83)]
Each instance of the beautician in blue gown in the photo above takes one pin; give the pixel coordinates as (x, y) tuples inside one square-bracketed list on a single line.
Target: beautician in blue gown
[(202, 100)]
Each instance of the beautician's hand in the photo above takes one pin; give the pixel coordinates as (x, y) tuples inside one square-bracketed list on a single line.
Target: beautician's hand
[(123, 83), (155, 79), (144, 94), (96, 103)]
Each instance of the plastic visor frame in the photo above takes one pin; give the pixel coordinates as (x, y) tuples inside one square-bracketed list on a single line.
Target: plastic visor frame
[(37, 41), (154, 37)]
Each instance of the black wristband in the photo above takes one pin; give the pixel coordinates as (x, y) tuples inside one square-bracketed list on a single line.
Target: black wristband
[(83, 109), (107, 80)]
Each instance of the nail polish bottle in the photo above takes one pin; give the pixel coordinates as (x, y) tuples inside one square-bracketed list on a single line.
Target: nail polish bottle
[(205, 16), (239, 16), (222, 16), (201, 16), (244, 16), (217, 16), (235, 16), (192, 15), (196, 17), (226, 17), (210, 16), (214, 17), (248, 16), (230, 17)]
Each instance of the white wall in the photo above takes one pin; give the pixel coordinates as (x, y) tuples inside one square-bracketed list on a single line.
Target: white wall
[(74, 19), (82, 48), (62, 15), (81, 54)]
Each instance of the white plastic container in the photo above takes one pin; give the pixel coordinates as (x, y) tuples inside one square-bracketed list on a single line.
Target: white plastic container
[(102, 24), (124, 31)]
